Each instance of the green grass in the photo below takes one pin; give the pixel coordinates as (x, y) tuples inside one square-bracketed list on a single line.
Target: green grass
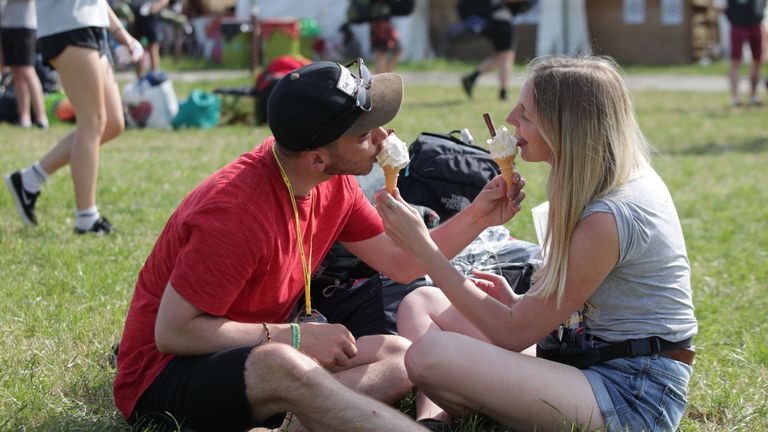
[(64, 297)]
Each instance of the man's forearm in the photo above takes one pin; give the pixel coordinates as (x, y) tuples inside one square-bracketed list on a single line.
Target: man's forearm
[(207, 334)]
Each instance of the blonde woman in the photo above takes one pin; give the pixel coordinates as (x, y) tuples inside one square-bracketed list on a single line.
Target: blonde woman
[(616, 273)]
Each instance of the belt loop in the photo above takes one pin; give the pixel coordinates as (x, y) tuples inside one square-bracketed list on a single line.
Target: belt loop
[(655, 345)]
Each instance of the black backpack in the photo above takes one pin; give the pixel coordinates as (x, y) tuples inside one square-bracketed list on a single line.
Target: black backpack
[(445, 173), (401, 7), (360, 11)]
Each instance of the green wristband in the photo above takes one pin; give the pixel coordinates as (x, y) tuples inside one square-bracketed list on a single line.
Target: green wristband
[(296, 335)]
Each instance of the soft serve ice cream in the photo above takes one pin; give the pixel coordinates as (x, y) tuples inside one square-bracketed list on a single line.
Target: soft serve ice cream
[(503, 148), (392, 158)]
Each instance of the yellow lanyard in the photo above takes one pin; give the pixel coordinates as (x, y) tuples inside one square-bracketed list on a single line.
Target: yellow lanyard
[(306, 265)]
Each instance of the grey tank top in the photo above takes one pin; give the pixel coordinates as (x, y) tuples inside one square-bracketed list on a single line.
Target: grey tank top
[(56, 16), (648, 293)]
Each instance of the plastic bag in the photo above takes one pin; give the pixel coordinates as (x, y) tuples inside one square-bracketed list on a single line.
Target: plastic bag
[(201, 110), (150, 106)]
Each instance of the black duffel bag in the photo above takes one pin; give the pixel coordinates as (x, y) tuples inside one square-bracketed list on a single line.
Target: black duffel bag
[(445, 173)]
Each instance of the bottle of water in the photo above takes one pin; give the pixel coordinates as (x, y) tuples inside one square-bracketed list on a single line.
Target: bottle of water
[(467, 137)]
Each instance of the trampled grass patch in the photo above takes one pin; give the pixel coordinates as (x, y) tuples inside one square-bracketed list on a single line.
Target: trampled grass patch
[(64, 297)]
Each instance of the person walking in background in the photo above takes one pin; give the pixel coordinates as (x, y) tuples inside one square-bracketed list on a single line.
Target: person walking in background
[(385, 44), (492, 19), (19, 39), (146, 25), (72, 38), (746, 18), (611, 307)]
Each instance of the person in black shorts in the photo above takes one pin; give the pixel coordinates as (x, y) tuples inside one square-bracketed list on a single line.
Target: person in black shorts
[(146, 25), (493, 20), (72, 39), (18, 44)]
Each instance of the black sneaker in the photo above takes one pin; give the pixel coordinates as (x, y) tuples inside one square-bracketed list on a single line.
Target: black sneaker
[(438, 426), (468, 83), (100, 227), (24, 200)]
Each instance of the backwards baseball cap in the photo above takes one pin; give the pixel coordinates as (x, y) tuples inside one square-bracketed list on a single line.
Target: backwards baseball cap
[(317, 103)]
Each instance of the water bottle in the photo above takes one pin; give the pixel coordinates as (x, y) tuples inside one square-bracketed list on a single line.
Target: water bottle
[(467, 137)]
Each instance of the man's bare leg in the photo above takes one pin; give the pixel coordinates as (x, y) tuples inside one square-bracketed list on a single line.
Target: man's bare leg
[(278, 378)]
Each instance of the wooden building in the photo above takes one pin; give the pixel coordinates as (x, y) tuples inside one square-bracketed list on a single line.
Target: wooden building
[(659, 32)]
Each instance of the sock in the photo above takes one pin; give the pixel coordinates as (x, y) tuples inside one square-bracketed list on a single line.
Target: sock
[(86, 218), (33, 176), (503, 94), (473, 76)]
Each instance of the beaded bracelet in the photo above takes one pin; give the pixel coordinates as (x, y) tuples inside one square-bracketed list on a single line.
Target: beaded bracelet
[(296, 333), (266, 330)]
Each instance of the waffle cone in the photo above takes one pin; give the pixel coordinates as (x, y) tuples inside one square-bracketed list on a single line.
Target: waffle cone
[(507, 166), (390, 177)]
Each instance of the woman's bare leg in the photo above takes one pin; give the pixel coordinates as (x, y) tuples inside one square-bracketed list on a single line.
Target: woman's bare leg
[(21, 85), (90, 87), (34, 93), (466, 375), (426, 310)]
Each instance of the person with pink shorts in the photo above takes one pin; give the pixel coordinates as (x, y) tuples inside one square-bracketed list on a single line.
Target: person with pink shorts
[(745, 17)]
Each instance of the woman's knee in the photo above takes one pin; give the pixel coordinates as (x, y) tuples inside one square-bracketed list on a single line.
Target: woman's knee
[(418, 300), (429, 358), (92, 123), (114, 127)]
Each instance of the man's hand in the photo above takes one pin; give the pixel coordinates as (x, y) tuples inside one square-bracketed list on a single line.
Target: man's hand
[(332, 345)]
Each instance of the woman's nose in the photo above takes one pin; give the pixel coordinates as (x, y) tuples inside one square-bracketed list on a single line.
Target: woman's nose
[(511, 118)]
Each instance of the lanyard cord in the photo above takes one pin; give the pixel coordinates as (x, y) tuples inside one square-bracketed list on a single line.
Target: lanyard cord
[(305, 263)]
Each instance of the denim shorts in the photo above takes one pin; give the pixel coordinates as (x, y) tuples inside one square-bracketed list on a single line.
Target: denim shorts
[(645, 393)]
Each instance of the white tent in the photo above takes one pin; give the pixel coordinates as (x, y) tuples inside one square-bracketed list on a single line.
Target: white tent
[(562, 28)]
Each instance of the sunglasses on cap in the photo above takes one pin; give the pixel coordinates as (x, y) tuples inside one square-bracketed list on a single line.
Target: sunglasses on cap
[(362, 99)]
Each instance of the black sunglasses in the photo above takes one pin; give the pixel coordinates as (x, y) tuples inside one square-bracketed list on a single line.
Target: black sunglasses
[(362, 99)]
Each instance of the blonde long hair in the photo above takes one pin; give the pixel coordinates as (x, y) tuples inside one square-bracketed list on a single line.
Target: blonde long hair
[(586, 116)]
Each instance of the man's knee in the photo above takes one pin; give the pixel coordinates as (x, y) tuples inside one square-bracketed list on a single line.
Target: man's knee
[(275, 371), (394, 348)]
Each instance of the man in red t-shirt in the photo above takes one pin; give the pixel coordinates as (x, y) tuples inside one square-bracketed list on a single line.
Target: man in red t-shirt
[(208, 340)]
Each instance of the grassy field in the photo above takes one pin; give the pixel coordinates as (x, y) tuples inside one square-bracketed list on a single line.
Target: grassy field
[(63, 298)]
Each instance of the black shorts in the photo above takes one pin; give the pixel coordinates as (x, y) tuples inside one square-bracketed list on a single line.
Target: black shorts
[(19, 46), (501, 34), (200, 392), (146, 26), (52, 46)]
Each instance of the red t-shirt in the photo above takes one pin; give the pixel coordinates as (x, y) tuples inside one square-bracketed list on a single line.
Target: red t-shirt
[(231, 250)]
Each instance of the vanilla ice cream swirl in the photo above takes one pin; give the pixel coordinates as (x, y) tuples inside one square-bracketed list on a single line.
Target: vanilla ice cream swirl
[(503, 145), (394, 154)]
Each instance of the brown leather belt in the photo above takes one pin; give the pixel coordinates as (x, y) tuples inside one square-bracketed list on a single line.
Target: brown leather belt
[(684, 355)]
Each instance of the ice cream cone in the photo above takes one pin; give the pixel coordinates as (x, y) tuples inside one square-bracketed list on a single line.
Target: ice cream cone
[(390, 176), (507, 166)]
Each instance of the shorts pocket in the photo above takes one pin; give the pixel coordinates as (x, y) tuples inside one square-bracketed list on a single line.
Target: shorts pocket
[(673, 403)]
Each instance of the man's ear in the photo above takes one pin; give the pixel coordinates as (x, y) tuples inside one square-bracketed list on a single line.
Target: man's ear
[(317, 159)]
